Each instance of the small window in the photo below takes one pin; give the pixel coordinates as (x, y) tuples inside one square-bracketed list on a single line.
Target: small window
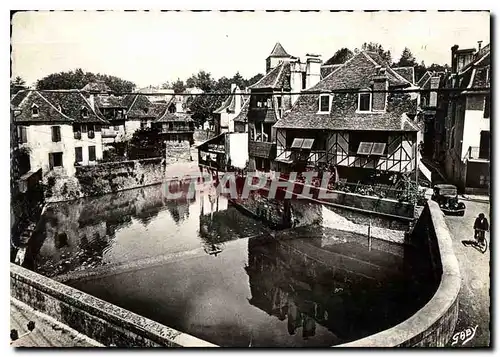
[(78, 154), (56, 134), (91, 153), (34, 110), (22, 134), (278, 99), (84, 112), (304, 80), (487, 105), (146, 110), (55, 159), (324, 103), (91, 132), (364, 104), (84, 128)]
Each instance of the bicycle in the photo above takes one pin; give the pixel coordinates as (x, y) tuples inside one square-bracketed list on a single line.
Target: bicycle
[(482, 247)]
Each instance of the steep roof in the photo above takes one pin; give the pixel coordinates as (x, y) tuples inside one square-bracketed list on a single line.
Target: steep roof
[(478, 73), (174, 117), (277, 78), (242, 116), (278, 51), (96, 87), (109, 101), (327, 69), (407, 73), (54, 106), (229, 103), (356, 73), (140, 107)]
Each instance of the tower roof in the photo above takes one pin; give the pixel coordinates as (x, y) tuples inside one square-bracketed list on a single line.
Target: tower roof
[(278, 51)]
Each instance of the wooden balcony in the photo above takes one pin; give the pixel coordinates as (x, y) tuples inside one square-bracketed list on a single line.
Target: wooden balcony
[(261, 149)]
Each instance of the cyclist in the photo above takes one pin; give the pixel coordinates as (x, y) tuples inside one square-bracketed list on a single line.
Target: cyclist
[(480, 226)]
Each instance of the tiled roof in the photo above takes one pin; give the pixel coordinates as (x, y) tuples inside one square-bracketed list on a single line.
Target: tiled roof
[(326, 70), (18, 97), (357, 73), (46, 111), (242, 116), (174, 117), (71, 104), (303, 115), (407, 73), (97, 87), (278, 51), (141, 107), (228, 104), (55, 106), (109, 101), (277, 78)]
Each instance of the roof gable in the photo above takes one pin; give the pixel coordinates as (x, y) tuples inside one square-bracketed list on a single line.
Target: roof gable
[(357, 73), (46, 111), (277, 78), (141, 107), (278, 51), (407, 73), (71, 104)]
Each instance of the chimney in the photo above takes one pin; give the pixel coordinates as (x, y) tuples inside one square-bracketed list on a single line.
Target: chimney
[(454, 59), (237, 98), (178, 104), (313, 69), (380, 83), (295, 79), (479, 45), (433, 95)]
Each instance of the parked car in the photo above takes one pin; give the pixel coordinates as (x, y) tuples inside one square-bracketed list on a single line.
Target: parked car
[(447, 198)]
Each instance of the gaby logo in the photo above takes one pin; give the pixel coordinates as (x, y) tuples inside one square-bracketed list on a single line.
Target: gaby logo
[(294, 185), (464, 336)]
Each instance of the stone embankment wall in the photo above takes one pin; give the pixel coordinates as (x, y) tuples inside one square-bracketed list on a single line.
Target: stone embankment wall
[(104, 178), (434, 324), (103, 322)]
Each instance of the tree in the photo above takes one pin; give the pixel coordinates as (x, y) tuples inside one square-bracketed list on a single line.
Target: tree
[(78, 79), (178, 86), (378, 48), (407, 59), (341, 56), (438, 68), (166, 85), (16, 85)]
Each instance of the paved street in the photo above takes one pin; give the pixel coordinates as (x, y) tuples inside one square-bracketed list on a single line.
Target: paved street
[(475, 270), (46, 333)]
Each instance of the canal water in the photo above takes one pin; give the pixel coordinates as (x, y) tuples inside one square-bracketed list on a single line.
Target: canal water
[(201, 266)]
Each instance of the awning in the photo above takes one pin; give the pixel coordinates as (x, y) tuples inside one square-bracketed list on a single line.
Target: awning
[(302, 143), (370, 148)]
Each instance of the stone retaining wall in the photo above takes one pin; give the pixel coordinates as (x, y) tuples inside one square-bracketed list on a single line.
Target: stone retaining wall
[(434, 324), (95, 318), (105, 178)]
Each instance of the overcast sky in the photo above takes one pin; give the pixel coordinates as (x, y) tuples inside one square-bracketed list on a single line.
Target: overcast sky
[(150, 48)]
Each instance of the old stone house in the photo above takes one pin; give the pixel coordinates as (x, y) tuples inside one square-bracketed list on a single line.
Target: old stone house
[(271, 96), (468, 140), (58, 129), (351, 122)]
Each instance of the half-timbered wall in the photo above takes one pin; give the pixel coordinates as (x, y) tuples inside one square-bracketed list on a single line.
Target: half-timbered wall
[(399, 155)]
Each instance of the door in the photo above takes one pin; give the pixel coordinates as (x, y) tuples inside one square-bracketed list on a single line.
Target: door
[(484, 145)]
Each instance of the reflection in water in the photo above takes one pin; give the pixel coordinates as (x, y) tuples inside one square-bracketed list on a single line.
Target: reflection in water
[(306, 283), (131, 225), (273, 292)]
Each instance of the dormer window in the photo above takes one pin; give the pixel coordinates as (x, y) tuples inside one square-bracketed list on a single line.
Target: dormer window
[(84, 112), (365, 101), (325, 101), (34, 110)]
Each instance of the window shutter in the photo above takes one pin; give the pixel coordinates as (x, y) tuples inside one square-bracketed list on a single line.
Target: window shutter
[(51, 161)]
